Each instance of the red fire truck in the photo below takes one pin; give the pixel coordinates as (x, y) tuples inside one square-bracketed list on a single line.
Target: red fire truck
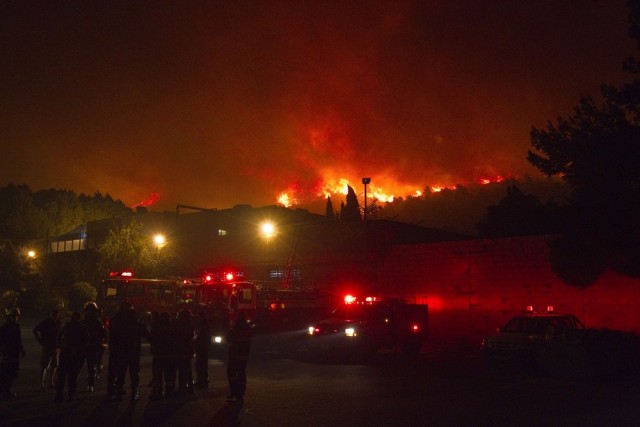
[(222, 297)]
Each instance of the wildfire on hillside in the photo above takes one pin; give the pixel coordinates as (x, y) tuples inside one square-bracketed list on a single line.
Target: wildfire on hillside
[(387, 193)]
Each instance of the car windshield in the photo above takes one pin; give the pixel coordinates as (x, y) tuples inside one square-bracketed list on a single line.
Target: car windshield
[(539, 325)]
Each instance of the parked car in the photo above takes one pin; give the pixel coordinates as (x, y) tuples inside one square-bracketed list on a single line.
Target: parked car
[(554, 342)]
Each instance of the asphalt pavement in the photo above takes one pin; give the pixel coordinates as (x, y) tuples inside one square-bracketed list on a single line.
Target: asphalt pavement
[(34, 407)]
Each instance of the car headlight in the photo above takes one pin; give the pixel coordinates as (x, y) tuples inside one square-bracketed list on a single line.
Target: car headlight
[(217, 340), (350, 332)]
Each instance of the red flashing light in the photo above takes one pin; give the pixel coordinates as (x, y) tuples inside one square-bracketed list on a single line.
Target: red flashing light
[(349, 299), (550, 308), (415, 328), (529, 308), (229, 276), (208, 278)]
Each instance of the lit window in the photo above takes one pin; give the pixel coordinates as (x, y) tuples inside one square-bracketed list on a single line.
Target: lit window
[(222, 232)]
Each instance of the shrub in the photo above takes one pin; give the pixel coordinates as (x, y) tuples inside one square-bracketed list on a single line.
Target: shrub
[(37, 303), (79, 294)]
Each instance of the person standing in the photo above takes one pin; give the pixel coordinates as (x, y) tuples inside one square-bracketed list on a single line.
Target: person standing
[(239, 339), (202, 344), (103, 348), (164, 361), (185, 349), (46, 333), (11, 350), (73, 341), (116, 327), (97, 335), (124, 351)]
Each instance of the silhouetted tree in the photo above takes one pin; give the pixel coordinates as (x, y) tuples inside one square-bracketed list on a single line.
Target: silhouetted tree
[(98, 207), (597, 151), (351, 211), (13, 266), (61, 208), (519, 214), (329, 209), (126, 247)]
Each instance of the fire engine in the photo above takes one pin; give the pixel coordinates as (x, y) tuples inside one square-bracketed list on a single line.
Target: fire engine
[(360, 327), (221, 296)]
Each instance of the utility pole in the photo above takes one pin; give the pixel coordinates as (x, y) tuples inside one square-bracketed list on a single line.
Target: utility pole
[(365, 181)]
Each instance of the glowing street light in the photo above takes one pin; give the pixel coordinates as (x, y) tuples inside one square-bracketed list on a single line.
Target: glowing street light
[(159, 240), (31, 254), (268, 229)]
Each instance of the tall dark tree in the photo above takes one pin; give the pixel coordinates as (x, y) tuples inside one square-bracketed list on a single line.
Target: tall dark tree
[(20, 218), (61, 208), (597, 151), (98, 207), (519, 214), (329, 209), (351, 211), (125, 248)]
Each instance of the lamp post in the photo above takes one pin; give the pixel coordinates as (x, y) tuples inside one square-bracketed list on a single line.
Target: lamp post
[(31, 256), (159, 240), (268, 231), (365, 181)]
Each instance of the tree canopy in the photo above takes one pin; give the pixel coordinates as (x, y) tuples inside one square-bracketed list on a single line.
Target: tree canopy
[(520, 214), (27, 215), (597, 151)]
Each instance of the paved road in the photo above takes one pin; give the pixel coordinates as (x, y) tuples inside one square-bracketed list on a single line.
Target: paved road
[(33, 407), (436, 389)]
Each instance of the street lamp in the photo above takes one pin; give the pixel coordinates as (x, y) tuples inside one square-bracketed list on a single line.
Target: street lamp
[(365, 181), (31, 254), (159, 240), (267, 229)]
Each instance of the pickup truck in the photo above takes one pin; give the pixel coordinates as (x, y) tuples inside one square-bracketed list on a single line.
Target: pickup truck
[(360, 329)]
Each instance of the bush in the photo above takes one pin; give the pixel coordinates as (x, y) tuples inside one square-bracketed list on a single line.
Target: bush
[(37, 303), (79, 294), (8, 298)]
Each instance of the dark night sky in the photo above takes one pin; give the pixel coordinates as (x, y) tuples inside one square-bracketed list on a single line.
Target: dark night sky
[(216, 103)]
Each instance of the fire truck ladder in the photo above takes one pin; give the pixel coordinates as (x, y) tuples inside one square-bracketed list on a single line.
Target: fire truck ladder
[(292, 255)]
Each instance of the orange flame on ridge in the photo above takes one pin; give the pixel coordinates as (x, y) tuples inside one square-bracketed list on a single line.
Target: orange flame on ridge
[(332, 186)]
